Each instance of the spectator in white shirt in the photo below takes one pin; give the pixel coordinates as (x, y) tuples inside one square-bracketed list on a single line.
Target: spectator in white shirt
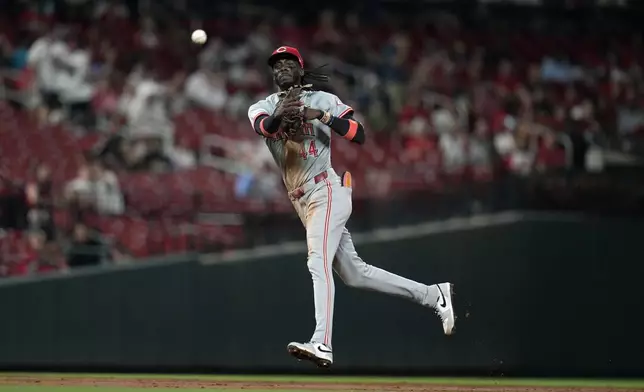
[(207, 88), (258, 180), (40, 58), (76, 90), (145, 105), (516, 150), (96, 188), (443, 121), (453, 145), (147, 36)]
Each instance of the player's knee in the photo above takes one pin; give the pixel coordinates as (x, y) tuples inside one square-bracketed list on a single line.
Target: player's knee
[(315, 262), (353, 280), (356, 278)]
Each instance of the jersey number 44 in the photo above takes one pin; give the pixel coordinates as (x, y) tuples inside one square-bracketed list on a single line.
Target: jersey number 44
[(310, 151)]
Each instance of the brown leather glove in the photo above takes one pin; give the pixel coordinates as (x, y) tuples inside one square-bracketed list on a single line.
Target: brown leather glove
[(292, 121)]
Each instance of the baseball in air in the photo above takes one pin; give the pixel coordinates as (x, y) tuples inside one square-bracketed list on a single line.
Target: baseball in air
[(199, 36)]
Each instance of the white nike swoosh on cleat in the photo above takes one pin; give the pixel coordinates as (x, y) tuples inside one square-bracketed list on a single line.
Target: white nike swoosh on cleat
[(323, 349)]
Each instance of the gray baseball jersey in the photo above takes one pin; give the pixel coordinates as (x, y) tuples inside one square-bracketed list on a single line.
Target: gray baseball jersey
[(324, 210), (315, 153)]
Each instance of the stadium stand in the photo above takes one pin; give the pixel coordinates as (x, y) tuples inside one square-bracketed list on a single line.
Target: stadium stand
[(122, 125)]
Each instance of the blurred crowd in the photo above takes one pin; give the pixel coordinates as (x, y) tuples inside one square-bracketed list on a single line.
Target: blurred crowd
[(518, 95)]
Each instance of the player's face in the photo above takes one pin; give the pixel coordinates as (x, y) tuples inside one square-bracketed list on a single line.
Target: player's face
[(286, 72)]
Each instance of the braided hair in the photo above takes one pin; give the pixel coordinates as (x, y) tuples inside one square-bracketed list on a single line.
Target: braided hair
[(308, 81), (311, 76), (313, 79)]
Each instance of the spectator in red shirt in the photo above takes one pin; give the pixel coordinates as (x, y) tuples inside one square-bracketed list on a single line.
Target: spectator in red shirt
[(550, 155), (27, 262), (506, 79), (415, 122)]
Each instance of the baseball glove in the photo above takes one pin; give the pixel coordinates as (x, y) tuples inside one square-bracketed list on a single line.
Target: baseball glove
[(292, 122)]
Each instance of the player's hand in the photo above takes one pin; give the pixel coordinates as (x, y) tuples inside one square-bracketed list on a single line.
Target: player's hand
[(311, 114), (289, 105)]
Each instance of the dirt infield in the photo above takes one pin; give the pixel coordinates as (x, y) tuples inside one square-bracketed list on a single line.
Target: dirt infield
[(266, 385)]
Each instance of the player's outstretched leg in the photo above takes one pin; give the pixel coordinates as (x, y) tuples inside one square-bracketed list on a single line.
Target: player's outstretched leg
[(328, 211), (355, 272)]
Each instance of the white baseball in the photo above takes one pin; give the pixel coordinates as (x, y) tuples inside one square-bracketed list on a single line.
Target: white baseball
[(199, 36)]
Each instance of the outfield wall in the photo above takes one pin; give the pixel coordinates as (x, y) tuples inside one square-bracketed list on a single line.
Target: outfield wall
[(556, 298)]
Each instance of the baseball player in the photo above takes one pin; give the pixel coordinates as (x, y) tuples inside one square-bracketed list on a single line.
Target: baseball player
[(297, 123)]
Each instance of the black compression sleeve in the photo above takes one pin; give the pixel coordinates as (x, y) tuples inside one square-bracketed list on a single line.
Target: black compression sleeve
[(266, 125), (348, 128)]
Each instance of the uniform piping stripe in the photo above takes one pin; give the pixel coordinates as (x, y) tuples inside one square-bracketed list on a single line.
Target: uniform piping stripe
[(261, 128), (252, 122), (325, 244), (347, 111)]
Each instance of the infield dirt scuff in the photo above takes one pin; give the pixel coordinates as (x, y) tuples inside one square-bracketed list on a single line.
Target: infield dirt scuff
[(152, 383)]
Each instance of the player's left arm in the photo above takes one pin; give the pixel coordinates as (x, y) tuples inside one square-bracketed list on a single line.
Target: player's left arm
[(339, 118)]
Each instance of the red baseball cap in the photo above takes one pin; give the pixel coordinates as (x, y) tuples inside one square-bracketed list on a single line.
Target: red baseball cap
[(287, 51)]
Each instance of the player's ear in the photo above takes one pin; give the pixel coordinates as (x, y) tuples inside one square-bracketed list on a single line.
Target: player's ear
[(301, 72)]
